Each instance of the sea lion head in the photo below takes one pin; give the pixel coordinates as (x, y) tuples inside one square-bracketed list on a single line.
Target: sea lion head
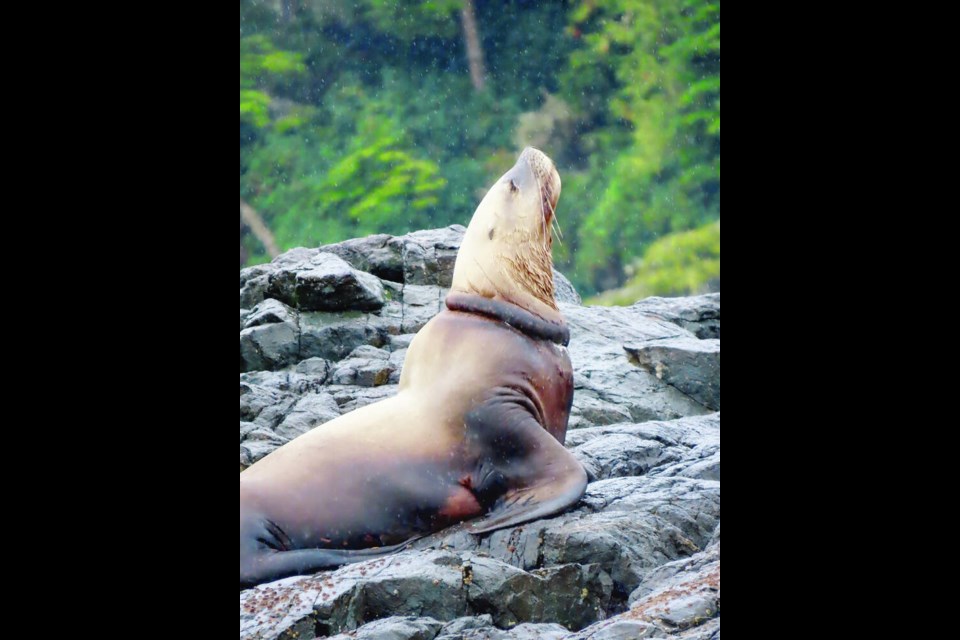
[(507, 253)]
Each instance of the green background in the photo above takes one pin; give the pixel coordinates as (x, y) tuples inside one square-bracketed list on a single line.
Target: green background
[(360, 117)]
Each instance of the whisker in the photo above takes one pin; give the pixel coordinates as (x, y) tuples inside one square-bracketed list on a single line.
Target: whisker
[(543, 213), (554, 221)]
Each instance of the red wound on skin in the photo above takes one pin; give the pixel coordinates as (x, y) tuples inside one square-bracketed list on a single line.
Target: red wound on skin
[(462, 503)]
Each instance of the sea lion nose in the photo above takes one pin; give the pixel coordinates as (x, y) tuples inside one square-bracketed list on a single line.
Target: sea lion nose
[(540, 162), (546, 172), (536, 158)]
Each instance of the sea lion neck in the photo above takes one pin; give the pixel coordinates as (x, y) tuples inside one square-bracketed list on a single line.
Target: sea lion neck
[(517, 317)]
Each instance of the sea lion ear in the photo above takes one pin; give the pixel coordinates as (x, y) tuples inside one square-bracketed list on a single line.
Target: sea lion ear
[(493, 232)]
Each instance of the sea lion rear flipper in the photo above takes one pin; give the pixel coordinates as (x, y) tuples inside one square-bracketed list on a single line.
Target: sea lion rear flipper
[(534, 475), (261, 564)]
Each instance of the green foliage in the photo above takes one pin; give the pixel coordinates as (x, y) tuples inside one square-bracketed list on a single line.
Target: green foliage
[(378, 181), (261, 61), (261, 66), (330, 185), (359, 116), (679, 264), (415, 18), (656, 136), (254, 107)]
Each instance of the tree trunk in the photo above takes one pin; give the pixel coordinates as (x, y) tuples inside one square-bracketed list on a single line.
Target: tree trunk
[(243, 249), (288, 10), (259, 228), (478, 71)]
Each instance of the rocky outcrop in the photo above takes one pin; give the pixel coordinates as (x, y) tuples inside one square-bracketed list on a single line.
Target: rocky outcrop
[(699, 315), (325, 331)]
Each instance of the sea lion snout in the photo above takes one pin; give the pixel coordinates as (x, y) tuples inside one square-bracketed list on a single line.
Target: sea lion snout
[(545, 175), (507, 251), (537, 158)]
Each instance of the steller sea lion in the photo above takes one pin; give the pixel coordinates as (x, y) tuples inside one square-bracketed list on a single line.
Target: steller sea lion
[(476, 431)]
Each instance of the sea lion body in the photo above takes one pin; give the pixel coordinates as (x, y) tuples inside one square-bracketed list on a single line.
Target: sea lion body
[(476, 431)]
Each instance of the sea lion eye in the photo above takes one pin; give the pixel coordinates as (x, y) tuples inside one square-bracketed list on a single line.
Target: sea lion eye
[(514, 187)]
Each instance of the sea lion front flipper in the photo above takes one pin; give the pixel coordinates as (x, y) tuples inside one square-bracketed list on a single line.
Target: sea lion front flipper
[(527, 475)]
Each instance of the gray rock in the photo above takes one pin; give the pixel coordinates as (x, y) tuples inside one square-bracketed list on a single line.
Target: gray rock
[(351, 398), (699, 315), (396, 629), (291, 380), (439, 585), (314, 281), (410, 307), (620, 629), (254, 283), (255, 399), (628, 527), (679, 600), (270, 339), (574, 596), (403, 342), (633, 560), (603, 370), (677, 574), (521, 632), (270, 312), (621, 455), (634, 525), (430, 256), (475, 628), (316, 368), (565, 291), (689, 365), (365, 367), (688, 599), (466, 627), (380, 255), (688, 448), (258, 445), (274, 408), (308, 413), (421, 258), (589, 409), (334, 336)]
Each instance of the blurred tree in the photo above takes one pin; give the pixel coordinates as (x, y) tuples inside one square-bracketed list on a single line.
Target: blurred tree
[(648, 83), (478, 69), (363, 116), (261, 65), (433, 19), (680, 264), (414, 19), (288, 10), (251, 220), (357, 175)]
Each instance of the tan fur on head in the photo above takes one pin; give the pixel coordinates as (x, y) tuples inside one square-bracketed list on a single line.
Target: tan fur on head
[(507, 253)]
